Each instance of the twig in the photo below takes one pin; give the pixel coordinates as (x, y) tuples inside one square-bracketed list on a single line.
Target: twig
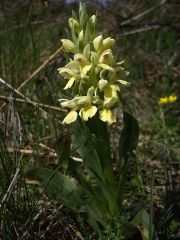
[(174, 58), (23, 96), (50, 154), (27, 152), (140, 30), (32, 103), (143, 13)]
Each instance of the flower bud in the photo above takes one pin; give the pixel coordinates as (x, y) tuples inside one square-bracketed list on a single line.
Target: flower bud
[(68, 45), (108, 43), (74, 24), (98, 41)]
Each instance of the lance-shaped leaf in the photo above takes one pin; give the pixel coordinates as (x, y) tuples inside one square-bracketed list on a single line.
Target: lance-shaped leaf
[(99, 129), (129, 136), (128, 142), (84, 145), (60, 187)]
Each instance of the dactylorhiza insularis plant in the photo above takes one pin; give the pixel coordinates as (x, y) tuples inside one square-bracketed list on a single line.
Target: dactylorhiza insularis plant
[(93, 75)]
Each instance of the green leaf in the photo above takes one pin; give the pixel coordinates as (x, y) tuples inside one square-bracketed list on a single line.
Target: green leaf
[(60, 187), (83, 143), (142, 222), (128, 142), (142, 218), (83, 16), (129, 137), (99, 183), (102, 138), (74, 15), (87, 35)]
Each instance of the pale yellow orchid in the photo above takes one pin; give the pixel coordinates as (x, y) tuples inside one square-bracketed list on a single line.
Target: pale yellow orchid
[(110, 90), (88, 110), (92, 73), (83, 64), (71, 104), (106, 114), (82, 103), (69, 74)]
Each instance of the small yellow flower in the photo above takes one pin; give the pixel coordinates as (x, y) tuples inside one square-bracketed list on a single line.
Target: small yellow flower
[(167, 100), (172, 99)]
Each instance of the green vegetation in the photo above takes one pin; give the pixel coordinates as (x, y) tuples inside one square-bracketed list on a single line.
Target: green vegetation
[(32, 135)]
